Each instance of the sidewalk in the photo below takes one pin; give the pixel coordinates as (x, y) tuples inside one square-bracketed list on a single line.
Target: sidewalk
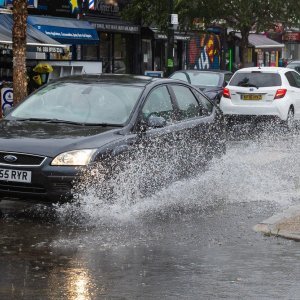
[(285, 224)]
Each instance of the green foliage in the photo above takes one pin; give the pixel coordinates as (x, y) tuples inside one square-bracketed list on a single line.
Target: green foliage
[(241, 15), (257, 15), (157, 12)]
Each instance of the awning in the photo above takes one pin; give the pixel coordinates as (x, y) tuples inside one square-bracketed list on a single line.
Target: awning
[(64, 30), (260, 41), (180, 36), (36, 40), (116, 25)]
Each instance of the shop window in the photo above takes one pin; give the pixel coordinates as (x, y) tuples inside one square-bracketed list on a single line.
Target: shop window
[(147, 55), (106, 51), (89, 52), (120, 54)]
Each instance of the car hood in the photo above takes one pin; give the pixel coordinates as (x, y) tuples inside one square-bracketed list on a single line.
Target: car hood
[(50, 139)]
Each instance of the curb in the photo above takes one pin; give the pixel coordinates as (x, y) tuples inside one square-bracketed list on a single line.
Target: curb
[(285, 224)]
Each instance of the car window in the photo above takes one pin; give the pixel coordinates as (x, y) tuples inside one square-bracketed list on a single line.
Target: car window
[(227, 77), (187, 103), (296, 77), (289, 76), (206, 104), (255, 79), (204, 78), (159, 103), (179, 76)]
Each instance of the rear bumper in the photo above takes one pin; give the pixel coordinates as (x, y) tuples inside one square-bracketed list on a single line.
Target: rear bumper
[(236, 119)]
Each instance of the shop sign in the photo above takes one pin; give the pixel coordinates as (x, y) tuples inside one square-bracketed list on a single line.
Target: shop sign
[(64, 8), (117, 27), (291, 37), (45, 49), (31, 3), (106, 7), (157, 74)]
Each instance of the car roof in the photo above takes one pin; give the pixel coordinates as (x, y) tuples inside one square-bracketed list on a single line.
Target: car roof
[(294, 62), (125, 79), (205, 71), (263, 69)]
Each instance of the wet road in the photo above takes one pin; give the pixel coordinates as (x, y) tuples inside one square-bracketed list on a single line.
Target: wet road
[(191, 240)]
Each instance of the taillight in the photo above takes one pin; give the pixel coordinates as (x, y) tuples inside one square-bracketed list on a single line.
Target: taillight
[(226, 93), (280, 93)]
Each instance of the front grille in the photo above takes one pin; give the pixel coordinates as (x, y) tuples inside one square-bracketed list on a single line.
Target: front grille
[(21, 188), (22, 159), (62, 186)]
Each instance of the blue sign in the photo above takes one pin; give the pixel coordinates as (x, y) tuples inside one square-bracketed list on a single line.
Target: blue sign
[(31, 3), (2, 3), (158, 74), (6, 98)]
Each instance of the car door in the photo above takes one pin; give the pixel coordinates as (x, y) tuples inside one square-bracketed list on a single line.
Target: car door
[(194, 125), (296, 89), (156, 141)]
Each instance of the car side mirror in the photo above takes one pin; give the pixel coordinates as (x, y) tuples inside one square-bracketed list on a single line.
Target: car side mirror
[(156, 122)]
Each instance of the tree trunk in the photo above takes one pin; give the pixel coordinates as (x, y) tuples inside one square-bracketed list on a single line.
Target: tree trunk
[(19, 50), (244, 47)]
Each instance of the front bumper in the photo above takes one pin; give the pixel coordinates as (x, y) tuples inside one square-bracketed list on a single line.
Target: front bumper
[(49, 184)]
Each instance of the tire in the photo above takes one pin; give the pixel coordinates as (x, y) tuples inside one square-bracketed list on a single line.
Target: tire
[(289, 123)]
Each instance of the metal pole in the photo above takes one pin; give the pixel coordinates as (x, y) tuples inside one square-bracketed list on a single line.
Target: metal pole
[(170, 42)]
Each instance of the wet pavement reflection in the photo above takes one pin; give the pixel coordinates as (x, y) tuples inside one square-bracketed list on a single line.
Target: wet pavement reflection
[(192, 240)]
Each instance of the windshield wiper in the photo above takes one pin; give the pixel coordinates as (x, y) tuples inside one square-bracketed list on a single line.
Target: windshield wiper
[(33, 119), (69, 122), (245, 83), (47, 120), (103, 124)]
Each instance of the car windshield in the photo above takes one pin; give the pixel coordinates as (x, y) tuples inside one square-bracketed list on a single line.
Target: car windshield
[(204, 78), (81, 103), (255, 79)]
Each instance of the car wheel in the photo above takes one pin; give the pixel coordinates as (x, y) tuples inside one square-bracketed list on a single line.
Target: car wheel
[(289, 123)]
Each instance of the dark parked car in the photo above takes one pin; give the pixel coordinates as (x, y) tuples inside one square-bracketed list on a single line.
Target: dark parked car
[(74, 122), (211, 82), (294, 65)]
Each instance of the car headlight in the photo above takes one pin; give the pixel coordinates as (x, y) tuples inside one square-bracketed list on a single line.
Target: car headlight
[(74, 158)]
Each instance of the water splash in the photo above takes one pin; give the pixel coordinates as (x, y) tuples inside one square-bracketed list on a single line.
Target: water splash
[(258, 169)]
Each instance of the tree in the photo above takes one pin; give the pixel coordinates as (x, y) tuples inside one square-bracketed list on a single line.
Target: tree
[(19, 50), (156, 13)]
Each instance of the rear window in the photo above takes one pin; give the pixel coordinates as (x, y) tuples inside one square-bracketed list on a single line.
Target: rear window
[(255, 79)]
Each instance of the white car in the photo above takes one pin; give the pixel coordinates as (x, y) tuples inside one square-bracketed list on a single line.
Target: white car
[(263, 92)]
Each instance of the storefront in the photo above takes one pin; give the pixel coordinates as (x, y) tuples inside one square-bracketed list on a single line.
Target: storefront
[(262, 51), (154, 50), (119, 40), (38, 44), (291, 40)]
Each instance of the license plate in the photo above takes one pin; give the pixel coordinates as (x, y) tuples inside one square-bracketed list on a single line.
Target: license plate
[(15, 175), (251, 97)]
